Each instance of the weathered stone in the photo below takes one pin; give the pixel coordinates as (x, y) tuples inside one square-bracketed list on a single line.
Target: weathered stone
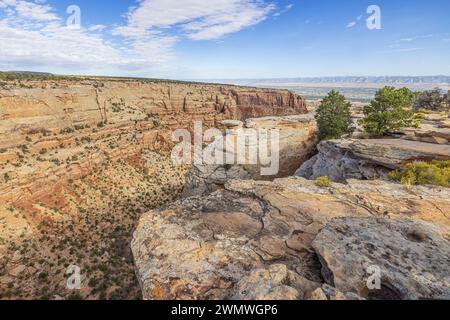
[(136, 114), (412, 256), (429, 133), (327, 292), (297, 136), (341, 160), (203, 247), (267, 284), (18, 270)]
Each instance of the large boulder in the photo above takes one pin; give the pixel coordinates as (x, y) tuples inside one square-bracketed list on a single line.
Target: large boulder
[(412, 258), (430, 133), (253, 239), (341, 160), (297, 138)]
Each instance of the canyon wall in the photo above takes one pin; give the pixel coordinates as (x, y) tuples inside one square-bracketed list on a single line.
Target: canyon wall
[(55, 130), (82, 159)]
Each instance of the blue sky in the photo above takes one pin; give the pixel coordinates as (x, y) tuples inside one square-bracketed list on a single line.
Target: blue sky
[(218, 39)]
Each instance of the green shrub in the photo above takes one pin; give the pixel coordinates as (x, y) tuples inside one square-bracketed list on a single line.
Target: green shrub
[(67, 130), (323, 182), (423, 173), (333, 116), (388, 111), (432, 100)]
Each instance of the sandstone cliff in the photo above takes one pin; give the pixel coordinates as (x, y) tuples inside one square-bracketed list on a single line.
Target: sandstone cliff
[(296, 140), (90, 121), (368, 159), (77, 170), (264, 240)]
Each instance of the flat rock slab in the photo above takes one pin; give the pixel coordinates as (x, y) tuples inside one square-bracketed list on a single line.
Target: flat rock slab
[(253, 239), (369, 159), (393, 153), (413, 258)]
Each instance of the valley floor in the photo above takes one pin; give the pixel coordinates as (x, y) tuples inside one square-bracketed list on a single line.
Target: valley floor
[(89, 224)]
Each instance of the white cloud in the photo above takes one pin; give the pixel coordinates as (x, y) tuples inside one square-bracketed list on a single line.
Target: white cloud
[(25, 9), (409, 49), (286, 9), (351, 24), (97, 27), (36, 38), (196, 19)]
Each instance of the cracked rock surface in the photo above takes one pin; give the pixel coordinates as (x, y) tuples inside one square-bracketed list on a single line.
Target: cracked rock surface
[(413, 257), (253, 240)]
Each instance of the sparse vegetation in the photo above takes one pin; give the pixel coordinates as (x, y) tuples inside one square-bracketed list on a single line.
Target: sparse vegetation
[(67, 130), (432, 100), (423, 173), (334, 117), (323, 182), (389, 111)]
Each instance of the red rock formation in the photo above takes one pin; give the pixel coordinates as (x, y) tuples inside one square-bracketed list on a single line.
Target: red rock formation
[(96, 120)]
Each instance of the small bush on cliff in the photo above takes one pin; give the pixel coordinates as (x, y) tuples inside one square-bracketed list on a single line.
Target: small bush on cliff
[(432, 100), (323, 182), (423, 173), (388, 111), (333, 116)]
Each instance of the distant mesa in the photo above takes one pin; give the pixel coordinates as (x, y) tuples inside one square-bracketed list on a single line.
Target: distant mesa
[(31, 72)]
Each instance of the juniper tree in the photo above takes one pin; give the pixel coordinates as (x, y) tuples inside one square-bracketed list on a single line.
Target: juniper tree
[(389, 111), (334, 117)]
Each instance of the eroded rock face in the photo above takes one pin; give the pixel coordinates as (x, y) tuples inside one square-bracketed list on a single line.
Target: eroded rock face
[(436, 133), (341, 160), (297, 137), (94, 120), (218, 246), (412, 256), (76, 172)]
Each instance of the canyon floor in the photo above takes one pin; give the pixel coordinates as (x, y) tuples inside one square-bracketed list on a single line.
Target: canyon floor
[(87, 223)]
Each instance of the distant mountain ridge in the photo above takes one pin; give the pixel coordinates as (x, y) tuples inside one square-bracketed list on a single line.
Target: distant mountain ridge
[(438, 79), (30, 72)]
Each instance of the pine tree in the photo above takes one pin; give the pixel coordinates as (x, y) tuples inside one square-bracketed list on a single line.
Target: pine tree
[(334, 117), (389, 112)]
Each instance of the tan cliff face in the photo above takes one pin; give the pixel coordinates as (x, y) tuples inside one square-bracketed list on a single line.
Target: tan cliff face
[(266, 240), (76, 171), (58, 104), (115, 118)]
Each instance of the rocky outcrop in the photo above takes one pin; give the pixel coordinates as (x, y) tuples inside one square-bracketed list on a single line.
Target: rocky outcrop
[(64, 129), (253, 239), (56, 105), (437, 133), (296, 139), (77, 171), (412, 258), (341, 160)]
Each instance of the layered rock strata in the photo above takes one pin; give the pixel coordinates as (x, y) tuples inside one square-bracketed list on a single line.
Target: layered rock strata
[(296, 138), (341, 160), (59, 130)]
